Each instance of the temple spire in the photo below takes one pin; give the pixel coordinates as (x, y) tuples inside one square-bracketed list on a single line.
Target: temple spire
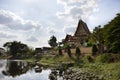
[(79, 18), (81, 34)]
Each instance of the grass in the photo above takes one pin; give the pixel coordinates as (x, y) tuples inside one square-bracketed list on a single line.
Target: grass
[(107, 66), (5, 57), (30, 59), (55, 60), (110, 71)]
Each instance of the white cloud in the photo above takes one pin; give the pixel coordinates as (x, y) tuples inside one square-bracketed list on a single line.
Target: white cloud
[(6, 35), (32, 39), (69, 30), (15, 22), (52, 29), (75, 9)]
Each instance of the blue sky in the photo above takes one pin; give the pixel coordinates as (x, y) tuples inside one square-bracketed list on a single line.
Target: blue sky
[(34, 21)]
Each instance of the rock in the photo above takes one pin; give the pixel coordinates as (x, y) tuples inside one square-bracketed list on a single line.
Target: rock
[(52, 77), (79, 74)]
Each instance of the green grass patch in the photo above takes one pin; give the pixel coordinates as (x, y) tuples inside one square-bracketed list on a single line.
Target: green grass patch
[(51, 59), (30, 59), (110, 71)]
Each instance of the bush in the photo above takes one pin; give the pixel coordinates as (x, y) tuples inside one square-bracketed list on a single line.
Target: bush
[(105, 58), (115, 57), (60, 50), (69, 51), (88, 59), (94, 50), (78, 53)]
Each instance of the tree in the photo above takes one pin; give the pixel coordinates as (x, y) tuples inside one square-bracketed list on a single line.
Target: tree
[(94, 50), (98, 38), (16, 47), (78, 53), (112, 35), (14, 68), (69, 51), (53, 41), (60, 51)]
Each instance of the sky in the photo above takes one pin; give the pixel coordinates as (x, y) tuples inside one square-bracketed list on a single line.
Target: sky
[(33, 22)]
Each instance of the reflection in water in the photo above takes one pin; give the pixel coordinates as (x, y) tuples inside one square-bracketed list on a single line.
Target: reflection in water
[(14, 68), (20, 70)]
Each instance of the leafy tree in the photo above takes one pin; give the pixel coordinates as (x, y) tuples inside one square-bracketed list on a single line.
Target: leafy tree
[(14, 69), (98, 38), (69, 51), (53, 41), (78, 52), (60, 50), (16, 47), (94, 50), (112, 35)]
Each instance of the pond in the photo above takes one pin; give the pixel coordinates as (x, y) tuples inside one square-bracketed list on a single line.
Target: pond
[(21, 70)]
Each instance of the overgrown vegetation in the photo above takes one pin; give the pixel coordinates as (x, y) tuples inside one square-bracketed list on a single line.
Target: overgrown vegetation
[(77, 53), (18, 50), (112, 35), (94, 50), (69, 51)]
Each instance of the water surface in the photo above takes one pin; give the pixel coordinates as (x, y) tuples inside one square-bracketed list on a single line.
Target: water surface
[(21, 70)]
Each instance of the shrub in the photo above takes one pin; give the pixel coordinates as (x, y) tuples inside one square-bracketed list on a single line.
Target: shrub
[(60, 50), (94, 50), (105, 58), (88, 59), (69, 51), (115, 57), (78, 53)]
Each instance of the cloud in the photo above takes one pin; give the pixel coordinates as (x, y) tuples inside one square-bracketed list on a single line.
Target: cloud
[(15, 22), (52, 32), (74, 9), (32, 39), (70, 30), (52, 29), (5, 35)]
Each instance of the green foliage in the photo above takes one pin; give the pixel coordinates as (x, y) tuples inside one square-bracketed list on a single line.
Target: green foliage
[(79, 63), (55, 60), (94, 50), (78, 53), (107, 71), (16, 48), (98, 38), (104, 58), (31, 52), (88, 59), (112, 35), (69, 51), (116, 72), (109, 36), (98, 35), (60, 50), (53, 41)]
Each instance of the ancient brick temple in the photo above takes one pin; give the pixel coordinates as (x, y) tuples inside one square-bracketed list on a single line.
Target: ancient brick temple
[(80, 36)]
